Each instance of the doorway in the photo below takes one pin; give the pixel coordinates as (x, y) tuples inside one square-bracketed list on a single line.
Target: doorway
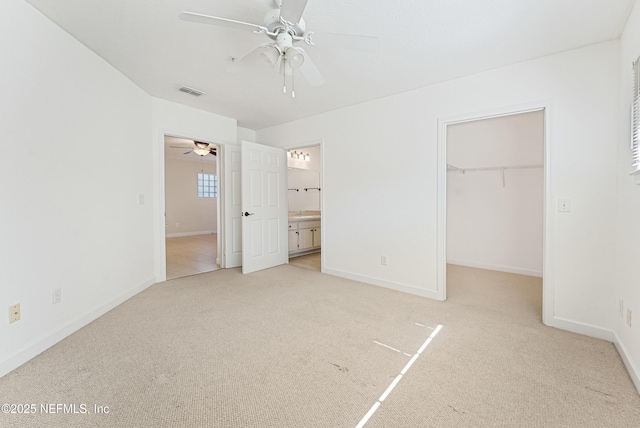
[(191, 207), (515, 212), (304, 191)]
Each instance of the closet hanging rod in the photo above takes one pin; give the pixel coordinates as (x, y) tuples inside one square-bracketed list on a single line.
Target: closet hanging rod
[(492, 168)]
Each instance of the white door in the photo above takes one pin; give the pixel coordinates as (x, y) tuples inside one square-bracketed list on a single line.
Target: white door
[(232, 206), (264, 207)]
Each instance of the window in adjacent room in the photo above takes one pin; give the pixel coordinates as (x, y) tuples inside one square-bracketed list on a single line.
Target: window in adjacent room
[(635, 120), (207, 185)]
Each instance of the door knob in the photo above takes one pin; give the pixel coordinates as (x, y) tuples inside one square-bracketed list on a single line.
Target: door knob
[(246, 213)]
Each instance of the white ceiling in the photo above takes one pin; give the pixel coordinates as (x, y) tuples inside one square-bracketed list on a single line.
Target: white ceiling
[(422, 42)]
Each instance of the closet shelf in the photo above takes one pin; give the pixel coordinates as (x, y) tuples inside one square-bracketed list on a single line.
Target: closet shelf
[(491, 168), (502, 169)]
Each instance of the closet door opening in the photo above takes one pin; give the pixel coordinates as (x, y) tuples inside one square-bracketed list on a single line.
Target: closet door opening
[(495, 209)]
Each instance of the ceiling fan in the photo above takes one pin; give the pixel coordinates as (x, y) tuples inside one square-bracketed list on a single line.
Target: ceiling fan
[(285, 27), (201, 149)]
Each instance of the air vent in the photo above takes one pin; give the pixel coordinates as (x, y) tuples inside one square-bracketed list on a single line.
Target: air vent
[(191, 91)]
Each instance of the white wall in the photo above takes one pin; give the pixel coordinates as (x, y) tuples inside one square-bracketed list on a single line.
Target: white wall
[(186, 213), (246, 134), (303, 200), (169, 118), (380, 176), (76, 138), (627, 272), (494, 223)]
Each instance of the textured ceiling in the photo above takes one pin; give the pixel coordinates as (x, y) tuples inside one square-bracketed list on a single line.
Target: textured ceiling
[(422, 42)]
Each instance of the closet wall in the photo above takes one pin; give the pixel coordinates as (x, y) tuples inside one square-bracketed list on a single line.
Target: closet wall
[(495, 193)]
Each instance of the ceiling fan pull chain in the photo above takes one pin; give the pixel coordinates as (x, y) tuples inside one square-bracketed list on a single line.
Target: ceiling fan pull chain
[(284, 77), (293, 88)]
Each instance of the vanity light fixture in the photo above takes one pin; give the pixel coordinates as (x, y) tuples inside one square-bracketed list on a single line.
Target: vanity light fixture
[(299, 156)]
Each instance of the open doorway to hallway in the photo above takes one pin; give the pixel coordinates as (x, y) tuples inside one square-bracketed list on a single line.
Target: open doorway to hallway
[(191, 207)]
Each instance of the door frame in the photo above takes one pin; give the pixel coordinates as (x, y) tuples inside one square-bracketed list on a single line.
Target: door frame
[(314, 143), (546, 106)]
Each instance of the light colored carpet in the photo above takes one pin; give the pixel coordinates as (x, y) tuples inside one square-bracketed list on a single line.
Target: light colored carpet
[(290, 347)]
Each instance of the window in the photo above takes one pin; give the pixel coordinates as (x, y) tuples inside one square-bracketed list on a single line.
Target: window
[(635, 120), (207, 185)]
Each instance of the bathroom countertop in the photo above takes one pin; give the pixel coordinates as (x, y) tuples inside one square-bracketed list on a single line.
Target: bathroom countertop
[(304, 216)]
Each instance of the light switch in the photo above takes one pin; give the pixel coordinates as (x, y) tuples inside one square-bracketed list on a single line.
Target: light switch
[(564, 205)]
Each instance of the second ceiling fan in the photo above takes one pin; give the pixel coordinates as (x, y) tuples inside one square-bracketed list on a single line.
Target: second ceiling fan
[(285, 27), (200, 148)]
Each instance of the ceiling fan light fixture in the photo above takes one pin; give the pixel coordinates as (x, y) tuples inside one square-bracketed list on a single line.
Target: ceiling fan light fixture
[(201, 151), (294, 57), (270, 56)]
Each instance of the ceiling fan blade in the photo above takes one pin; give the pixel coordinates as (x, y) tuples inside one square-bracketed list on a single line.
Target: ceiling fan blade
[(250, 60), (291, 10), (221, 22), (350, 42), (186, 153), (310, 71)]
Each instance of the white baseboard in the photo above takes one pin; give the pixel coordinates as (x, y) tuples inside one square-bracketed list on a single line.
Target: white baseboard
[(405, 288), (634, 373), (604, 334), (200, 232), (52, 337), (582, 328), (499, 268)]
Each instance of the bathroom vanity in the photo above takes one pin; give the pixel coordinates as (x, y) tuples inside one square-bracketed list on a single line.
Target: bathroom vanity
[(304, 233)]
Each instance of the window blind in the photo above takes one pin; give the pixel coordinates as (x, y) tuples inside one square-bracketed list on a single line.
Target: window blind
[(635, 127)]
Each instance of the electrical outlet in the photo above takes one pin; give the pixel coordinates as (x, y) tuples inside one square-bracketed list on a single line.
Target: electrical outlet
[(383, 260), (629, 313), (14, 313), (140, 199), (177, 224), (57, 296)]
